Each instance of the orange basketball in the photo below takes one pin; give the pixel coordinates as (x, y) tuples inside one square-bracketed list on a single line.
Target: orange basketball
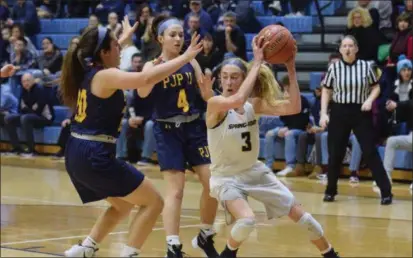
[(281, 46)]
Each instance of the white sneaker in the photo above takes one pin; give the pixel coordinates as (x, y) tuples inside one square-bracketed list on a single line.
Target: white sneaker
[(354, 180), (81, 251), (285, 171), (411, 187)]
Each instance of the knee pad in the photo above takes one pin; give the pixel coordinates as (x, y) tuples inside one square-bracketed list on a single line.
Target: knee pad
[(242, 229), (314, 228)]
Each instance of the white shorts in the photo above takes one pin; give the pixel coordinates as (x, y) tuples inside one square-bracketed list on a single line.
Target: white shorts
[(259, 183)]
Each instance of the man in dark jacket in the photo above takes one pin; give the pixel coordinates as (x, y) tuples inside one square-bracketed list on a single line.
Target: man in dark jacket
[(34, 112), (25, 13), (403, 111)]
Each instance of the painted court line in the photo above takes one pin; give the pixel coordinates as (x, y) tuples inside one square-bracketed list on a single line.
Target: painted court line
[(83, 236)]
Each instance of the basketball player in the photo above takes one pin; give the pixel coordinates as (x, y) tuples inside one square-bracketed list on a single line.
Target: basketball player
[(93, 85), (233, 138), (181, 138)]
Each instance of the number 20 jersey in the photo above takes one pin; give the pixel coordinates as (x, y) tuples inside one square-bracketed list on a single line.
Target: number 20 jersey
[(94, 115), (234, 143), (176, 94)]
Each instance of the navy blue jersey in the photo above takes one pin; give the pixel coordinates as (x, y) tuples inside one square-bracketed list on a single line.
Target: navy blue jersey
[(176, 94), (94, 115)]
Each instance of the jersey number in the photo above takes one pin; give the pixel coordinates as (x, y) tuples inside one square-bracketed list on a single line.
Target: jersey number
[(246, 136), (182, 101), (81, 106)]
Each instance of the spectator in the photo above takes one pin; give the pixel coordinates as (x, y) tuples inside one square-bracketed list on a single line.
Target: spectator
[(403, 41), (402, 142), (150, 47), (196, 8), (230, 38), (212, 9), (4, 12), (194, 26), (105, 7), (8, 105), (127, 53), (50, 59), (17, 32), (21, 56), (5, 46), (34, 112), (93, 22), (359, 25), (144, 14), (167, 7), (49, 8), (294, 125), (24, 13), (380, 12), (113, 23), (298, 7), (209, 56), (247, 21)]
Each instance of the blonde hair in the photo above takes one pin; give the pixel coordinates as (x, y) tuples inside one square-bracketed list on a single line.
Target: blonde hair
[(266, 86), (365, 16)]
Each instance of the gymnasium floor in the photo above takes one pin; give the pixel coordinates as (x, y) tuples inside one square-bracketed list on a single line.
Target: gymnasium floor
[(41, 216)]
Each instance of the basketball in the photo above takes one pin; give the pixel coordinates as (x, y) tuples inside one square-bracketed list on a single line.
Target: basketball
[(281, 46)]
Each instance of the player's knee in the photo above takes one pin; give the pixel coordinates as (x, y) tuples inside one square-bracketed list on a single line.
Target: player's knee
[(242, 229), (158, 204), (314, 228)]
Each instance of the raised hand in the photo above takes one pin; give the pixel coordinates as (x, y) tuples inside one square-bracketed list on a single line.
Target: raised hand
[(8, 70), (258, 47), (194, 48), (206, 82), (127, 30)]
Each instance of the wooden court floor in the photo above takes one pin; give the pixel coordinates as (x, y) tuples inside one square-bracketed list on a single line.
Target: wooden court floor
[(41, 216)]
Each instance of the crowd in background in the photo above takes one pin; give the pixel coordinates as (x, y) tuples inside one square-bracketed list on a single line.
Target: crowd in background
[(384, 36)]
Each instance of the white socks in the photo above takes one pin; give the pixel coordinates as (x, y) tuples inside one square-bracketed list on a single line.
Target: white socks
[(173, 240), (89, 242), (327, 250), (208, 230), (129, 251), (230, 247)]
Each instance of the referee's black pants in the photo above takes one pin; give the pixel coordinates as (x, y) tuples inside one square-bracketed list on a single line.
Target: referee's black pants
[(343, 119)]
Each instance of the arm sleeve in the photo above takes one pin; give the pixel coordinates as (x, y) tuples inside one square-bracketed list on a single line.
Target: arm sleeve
[(329, 80)]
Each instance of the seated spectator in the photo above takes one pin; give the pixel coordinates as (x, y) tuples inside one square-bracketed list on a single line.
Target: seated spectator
[(17, 32), (196, 8), (49, 61), (408, 9), (230, 38), (194, 26), (401, 142), (113, 23), (4, 12), (93, 22), (8, 105), (209, 56), (402, 43), (150, 47), (5, 45), (105, 7), (49, 8), (34, 112), (294, 125), (24, 13), (359, 25), (143, 14)]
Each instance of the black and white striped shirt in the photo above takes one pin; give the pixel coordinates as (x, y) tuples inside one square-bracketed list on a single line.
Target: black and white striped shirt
[(351, 83)]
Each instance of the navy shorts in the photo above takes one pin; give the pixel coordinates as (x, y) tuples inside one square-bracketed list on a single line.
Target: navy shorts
[(177, 146), (96, 173)]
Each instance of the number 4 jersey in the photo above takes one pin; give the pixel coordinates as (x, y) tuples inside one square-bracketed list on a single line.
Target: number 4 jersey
[(176, 94), (94, 115), (234, 143)]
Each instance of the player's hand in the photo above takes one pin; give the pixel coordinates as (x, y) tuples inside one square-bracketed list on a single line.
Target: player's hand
[(205, 86), (258, 47), (194, 48), (291, 61), (127, 30), (366, 105), (324, 120), (65, 122), (8, 70)]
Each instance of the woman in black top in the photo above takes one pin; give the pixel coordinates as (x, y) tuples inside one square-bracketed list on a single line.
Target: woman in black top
[(352, 86)]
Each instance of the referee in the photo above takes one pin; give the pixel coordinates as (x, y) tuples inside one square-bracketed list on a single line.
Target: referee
[(353, 86)]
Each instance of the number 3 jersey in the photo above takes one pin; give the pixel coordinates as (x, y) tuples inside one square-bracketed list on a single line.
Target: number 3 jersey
[(176, 94), (94, 115), (234, 143)]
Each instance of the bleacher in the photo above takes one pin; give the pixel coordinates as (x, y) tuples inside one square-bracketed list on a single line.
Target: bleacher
[(311, 64)]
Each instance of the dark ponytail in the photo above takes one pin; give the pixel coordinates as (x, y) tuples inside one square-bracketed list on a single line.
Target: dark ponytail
[(77, 60), (155, 24)]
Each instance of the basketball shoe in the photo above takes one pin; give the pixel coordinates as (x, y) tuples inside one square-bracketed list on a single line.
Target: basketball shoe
[(80, 250), (206, 243)]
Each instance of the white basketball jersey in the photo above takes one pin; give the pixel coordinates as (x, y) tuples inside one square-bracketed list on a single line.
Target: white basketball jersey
[(234, 144)]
